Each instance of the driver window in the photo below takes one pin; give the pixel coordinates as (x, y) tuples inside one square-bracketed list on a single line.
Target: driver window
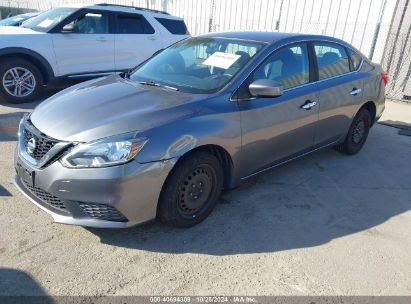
[(91, 23), (289, 66)]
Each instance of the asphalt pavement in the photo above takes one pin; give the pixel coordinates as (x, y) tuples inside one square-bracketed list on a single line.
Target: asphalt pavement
[(326, 224)]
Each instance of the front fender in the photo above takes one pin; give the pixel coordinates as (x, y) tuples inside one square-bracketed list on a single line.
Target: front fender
[(37, 58), (177, 139), (216, 122)]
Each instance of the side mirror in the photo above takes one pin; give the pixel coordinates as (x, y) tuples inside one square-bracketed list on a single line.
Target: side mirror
[(69, 28), (266, 88)]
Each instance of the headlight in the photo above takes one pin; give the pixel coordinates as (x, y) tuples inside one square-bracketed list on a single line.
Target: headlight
[(103, 153)]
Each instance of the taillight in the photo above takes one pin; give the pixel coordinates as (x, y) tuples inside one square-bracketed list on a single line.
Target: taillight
[(384, 76)]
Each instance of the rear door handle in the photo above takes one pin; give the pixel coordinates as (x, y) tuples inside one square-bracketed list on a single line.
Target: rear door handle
[(152, 38), (102, 39), (355, 92), (308, 105)]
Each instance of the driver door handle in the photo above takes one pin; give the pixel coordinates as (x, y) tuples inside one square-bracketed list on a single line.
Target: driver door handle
[(102, 39), (355, 91), (308, 105)]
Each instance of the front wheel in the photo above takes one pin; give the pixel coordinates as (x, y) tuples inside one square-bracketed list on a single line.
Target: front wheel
[(191, 191), (357, 134), (20, 80)]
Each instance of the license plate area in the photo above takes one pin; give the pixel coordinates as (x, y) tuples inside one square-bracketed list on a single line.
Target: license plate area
[(26, 174)]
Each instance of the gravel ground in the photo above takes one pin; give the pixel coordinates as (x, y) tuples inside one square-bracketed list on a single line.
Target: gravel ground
[(327, 224)]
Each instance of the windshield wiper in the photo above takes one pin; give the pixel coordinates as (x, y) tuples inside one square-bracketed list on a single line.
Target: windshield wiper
[(156, 84)]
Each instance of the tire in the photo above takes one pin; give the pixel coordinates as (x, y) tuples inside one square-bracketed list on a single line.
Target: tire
[(191, 191), (27, 89), (357, 134)]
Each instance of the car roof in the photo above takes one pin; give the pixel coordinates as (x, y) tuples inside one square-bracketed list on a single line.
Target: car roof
[(124, 9), (271, 37)]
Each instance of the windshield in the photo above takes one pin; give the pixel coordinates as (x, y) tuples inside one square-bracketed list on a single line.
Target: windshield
[(197, 65), (47, 20)]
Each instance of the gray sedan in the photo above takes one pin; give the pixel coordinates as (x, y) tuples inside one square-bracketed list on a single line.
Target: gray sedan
[(201, 116)]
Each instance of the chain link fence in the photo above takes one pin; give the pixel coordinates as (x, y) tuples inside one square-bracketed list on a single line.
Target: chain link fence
[(397, 56), (398, 66), (373, 26)]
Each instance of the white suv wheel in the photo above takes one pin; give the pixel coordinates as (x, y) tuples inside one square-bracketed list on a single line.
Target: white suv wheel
[(19, 82)]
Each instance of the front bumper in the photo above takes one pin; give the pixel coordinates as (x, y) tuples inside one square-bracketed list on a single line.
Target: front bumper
[(112, 197)]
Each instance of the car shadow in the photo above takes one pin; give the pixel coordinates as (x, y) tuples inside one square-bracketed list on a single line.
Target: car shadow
[(404, 127), (4, 192), (306, 203), (396, 124), (17, 286)]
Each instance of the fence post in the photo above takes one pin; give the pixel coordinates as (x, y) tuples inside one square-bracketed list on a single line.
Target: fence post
[(336, 20), (277, 25), (402, 54), (164, 4), (365, 27), (377, 30), (302, 16), (288, 12), (356, 22), (397, 33), (328, 18), (210, 22)]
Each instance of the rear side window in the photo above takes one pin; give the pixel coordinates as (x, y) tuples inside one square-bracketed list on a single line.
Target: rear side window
[(176, 27), (137, 24), (332, 60)]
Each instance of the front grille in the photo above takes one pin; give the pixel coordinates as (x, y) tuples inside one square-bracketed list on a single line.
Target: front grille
[(43, 142), (46, 197), (103, 212)]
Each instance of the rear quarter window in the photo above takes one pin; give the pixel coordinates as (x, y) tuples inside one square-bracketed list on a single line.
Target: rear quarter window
[(175, 27), (356, 60)]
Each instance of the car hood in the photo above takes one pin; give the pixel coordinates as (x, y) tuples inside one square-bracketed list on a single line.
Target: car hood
[(110, 106), (17, 30)]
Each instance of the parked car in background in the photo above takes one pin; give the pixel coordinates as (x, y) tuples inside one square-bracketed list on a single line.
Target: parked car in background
[(80, 42), (202, 115), (17, 20)]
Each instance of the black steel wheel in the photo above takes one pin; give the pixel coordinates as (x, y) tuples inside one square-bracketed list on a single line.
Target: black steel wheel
[(357, 134), (191, 191)]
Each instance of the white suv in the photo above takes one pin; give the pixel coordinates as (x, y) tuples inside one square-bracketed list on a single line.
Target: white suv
[(80, 42)]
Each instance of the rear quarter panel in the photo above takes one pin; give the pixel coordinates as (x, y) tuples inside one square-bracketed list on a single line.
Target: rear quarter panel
[(374, 87)]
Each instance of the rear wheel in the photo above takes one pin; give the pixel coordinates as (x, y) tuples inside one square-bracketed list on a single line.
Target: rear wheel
[(191, 191), (357, 134), (20, 80)]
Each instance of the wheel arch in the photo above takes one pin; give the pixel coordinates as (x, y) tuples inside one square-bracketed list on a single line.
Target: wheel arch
[(372, 108), (221, 154), (38, 60)]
